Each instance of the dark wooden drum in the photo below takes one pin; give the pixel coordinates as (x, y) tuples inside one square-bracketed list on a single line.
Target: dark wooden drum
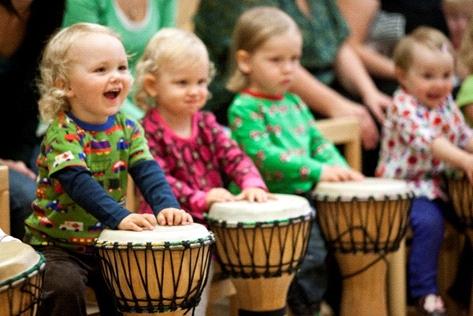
[(261, 246), (460, 191), (363, 221), (160, 271)]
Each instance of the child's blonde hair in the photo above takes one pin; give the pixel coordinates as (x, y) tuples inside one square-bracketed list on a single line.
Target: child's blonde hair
[(55, 64), (253, 28), (423, 36), (170, 47), (465, 53)]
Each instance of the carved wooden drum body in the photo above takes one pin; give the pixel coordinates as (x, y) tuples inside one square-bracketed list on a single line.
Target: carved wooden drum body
[(261, 246), (164, 270), (362, 222)]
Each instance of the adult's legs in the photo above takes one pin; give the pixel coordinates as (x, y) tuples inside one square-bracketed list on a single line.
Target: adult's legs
[(22, 193)]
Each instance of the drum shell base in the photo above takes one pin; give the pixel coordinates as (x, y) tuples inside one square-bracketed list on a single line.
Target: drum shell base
[(262, 294), (364, 293)]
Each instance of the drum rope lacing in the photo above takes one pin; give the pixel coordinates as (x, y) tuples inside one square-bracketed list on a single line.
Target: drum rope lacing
[(261, 249), (375, 226), (30, 288), (119, 259)]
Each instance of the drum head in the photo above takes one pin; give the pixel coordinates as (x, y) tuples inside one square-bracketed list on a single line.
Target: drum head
[(16, 258), (368, 188), (160, 235), (283, 207)]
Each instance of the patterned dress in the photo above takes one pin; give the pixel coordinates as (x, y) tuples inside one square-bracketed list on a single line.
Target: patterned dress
[(408, 133)]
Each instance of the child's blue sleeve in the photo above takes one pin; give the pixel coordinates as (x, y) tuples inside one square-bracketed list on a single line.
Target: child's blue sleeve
[(78, 183), (152, 183)]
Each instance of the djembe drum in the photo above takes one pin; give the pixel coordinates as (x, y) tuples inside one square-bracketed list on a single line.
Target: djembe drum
[(21, 278), (160, 271), (363, 221), (460, 191), (260, 246)]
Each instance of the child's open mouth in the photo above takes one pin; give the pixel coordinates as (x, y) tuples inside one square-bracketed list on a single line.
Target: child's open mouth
[(112, 94)]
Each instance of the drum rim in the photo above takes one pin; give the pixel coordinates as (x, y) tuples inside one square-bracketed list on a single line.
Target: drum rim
[(253, 224), (21, 277), (157, 245), (362, 198)]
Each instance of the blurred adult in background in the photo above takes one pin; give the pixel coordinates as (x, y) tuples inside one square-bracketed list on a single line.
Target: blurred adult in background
[(418, 12), (373, 35), (135, 20), (25, 25)]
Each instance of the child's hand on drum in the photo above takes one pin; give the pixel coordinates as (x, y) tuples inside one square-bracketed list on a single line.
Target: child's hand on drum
[(173, 216), (254, 195), (137, 222), (218, 195), (336, 173)]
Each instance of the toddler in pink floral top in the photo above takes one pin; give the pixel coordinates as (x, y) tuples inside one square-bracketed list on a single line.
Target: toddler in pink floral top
[(424, 135), (195, 152)]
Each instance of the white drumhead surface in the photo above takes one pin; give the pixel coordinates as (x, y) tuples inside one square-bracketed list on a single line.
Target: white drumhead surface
[(285, 206), (159, 234), (377, 188), (16, 258)]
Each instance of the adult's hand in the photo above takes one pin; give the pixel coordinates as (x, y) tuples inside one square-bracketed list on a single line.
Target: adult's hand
[(20, 167)]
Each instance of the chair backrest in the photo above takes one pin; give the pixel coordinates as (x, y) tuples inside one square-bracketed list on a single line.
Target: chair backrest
[(344, 131), (4, 200)]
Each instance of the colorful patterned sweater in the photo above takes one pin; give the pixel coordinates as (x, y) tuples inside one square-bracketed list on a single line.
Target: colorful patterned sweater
[(107, 151)]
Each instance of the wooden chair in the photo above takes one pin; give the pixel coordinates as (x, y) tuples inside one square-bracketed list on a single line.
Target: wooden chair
[(4, 200), (344, 131)]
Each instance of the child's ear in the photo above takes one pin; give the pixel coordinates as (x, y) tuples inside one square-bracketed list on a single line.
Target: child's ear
[(149, 84), (243, 61), (400, 74), (61, 84)]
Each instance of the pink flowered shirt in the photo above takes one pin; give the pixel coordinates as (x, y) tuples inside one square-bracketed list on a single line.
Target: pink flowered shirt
[(408, 132), (197, 164)]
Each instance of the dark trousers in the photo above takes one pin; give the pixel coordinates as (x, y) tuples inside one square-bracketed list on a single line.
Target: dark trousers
[(427, 223), (310, 283), (66, 278)]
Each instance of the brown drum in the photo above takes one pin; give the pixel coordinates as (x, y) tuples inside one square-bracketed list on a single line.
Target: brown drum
[(160, 271), (460, 191), (363, 221), (21, 278), (260, 246)]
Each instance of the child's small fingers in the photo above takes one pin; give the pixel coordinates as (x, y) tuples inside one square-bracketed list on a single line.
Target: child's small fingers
[(150, 218), (143, 222), (169, 218), (132, 226), (263, 196), (161, 220)]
